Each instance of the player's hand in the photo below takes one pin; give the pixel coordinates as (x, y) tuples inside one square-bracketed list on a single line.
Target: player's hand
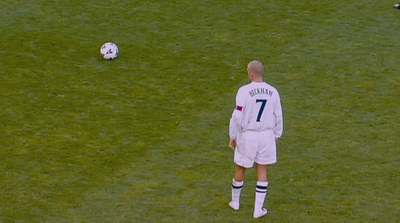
[(232, 144)]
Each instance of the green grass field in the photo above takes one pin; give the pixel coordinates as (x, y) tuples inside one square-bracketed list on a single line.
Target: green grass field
[(144, 138)]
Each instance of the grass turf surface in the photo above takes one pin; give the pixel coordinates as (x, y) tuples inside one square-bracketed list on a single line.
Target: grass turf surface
[(144, 138)]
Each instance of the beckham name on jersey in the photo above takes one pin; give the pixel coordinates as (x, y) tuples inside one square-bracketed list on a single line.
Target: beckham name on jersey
[(256, 91)]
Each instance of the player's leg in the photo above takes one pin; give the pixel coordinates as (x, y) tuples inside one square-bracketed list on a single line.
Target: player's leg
[(262, 172), (245, 153), (261, 191), (266, 155), (239, 173), (237, 184)]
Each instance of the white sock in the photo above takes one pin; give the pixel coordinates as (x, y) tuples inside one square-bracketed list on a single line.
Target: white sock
[(261, 193), (236, 189)]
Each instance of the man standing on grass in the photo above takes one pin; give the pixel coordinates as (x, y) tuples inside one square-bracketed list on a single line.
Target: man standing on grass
[(254, 129)]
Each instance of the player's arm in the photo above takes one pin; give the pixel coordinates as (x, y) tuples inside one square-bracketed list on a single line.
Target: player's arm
[(234, 124), (278, 117), (232, 144)]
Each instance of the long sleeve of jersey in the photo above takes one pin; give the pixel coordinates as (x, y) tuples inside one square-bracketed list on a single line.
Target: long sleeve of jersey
[(278, 118), (234, 124)]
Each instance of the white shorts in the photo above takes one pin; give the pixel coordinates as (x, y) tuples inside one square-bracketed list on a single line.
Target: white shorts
[(259, 147)]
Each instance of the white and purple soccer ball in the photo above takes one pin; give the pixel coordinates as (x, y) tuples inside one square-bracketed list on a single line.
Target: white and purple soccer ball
[(109, 51)]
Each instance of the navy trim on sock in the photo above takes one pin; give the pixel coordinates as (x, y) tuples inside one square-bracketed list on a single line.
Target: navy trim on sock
[(236, 187), (262, 187)]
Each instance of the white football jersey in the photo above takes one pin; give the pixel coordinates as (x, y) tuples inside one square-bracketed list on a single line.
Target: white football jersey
[(258, 108)]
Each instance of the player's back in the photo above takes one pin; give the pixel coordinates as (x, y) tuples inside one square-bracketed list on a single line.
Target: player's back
[(259, 101)]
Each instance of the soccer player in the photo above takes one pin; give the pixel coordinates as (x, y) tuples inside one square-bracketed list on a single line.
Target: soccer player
[(254, 129)]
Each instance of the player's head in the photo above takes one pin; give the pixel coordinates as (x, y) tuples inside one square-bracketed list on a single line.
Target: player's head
[(255, 69)]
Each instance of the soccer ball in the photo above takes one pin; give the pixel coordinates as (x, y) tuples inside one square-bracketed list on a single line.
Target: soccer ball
[(109, 51)]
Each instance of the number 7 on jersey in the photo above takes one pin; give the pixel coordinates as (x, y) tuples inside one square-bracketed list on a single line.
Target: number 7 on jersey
[(263, 102)]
